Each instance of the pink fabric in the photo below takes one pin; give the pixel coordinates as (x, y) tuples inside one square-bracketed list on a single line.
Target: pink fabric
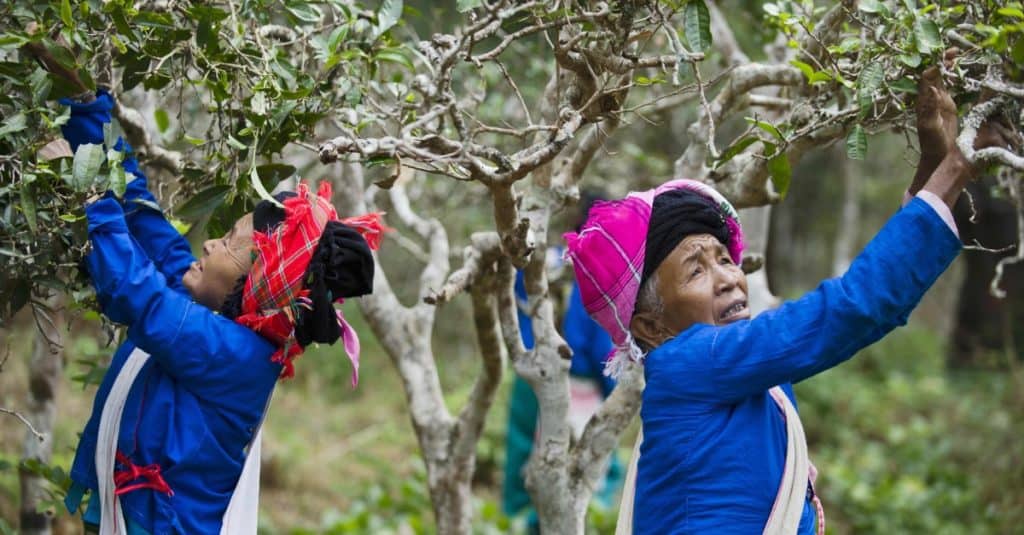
[(607, 255)]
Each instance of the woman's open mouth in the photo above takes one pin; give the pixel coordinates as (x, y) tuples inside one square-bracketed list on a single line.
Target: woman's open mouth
[(737, 310)]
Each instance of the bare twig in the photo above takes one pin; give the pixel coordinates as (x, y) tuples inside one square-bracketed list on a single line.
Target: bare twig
[(39, 436)]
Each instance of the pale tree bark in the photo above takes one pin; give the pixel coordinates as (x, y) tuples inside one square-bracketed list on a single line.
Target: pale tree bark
[(447, 442), (849, 217), (45, 370), (597, 49)]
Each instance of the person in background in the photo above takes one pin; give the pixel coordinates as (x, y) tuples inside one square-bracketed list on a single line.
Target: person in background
[(588, 385)]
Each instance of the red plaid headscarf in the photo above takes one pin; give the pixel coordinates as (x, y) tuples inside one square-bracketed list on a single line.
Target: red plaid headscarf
[(274, 291)]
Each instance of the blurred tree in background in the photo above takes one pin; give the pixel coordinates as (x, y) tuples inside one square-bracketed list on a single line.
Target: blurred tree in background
[(473, 124)]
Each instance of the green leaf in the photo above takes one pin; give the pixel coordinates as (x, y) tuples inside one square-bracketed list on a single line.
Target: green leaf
[(804, 68), (857, 143), (389, 14), (781, 172), (395, 55), (904, 85), (767, 127), (16, 123), (163, 121), (203, 202), (465, 5), (28, 206), (118, 180), (927, 34), (1011, 12), (257, 184), (305, 11), (911, 60), (870, 79), (148, 204), (86, 166), (871, 6), (65, 14), (697, 25), (272, 173), (735, 149), (10, 40), (235, 143), (194, 141)]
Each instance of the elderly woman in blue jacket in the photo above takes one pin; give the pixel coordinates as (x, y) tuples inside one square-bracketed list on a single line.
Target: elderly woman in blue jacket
[(723, 449), (177, 415)]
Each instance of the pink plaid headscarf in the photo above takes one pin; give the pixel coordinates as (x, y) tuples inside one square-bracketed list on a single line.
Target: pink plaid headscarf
[(607, 255)]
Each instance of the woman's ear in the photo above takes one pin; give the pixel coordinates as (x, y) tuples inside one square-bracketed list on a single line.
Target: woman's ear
[(648, 330)]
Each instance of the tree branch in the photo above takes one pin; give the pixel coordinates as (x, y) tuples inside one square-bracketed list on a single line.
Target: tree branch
[(972, 122), (481, 255), (41, 437), (485, 320), (602, 432), (135, 130)]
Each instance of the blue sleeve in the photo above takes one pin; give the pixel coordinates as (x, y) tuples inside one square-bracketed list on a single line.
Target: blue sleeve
[(589, 342), (214, 357), (525, 323), (161, 242), (816, 332)]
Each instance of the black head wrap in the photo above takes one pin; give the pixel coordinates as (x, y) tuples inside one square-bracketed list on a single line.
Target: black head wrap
[(676, 214), (267, 215), (342, 266)]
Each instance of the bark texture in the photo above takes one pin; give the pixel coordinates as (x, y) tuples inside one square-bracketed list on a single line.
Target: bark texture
[(41, 409)]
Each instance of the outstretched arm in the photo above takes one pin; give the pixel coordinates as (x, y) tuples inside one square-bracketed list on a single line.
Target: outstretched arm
[(210, 354), (161, 242), (818, 331)]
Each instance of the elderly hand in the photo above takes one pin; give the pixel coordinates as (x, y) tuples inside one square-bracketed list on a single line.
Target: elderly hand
[(936, 114), (50, 63)]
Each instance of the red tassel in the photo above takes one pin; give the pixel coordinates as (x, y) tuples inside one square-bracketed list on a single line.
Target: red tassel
[(371, 226)]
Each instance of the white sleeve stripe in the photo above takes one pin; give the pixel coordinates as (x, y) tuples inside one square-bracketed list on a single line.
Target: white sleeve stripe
[(940, 208)]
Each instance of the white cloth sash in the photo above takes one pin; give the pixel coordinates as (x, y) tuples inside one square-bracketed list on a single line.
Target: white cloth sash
[(243, 510), (789, 502)]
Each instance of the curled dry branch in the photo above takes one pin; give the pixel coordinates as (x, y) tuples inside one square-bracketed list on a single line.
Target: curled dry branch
[(972, 122)]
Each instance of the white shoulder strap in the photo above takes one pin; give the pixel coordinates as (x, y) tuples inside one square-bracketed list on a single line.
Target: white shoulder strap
[(242, 513), (111, 518), (789, 502)]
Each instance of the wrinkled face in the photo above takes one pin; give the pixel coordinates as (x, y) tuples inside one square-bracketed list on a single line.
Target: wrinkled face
[(698, 283), (224, 261)]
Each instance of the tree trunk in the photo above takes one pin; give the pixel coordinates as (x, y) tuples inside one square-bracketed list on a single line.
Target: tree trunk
[(980, 331), (756, 224), (846, 236), (44, 377)]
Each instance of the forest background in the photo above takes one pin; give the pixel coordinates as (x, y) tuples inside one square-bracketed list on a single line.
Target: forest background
[(917, 434)]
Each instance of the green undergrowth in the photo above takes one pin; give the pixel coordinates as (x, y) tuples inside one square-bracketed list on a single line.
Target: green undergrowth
[(903, 445)]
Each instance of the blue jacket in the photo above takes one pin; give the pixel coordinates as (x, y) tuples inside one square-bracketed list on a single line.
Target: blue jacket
[(196, 404), (714, 440)]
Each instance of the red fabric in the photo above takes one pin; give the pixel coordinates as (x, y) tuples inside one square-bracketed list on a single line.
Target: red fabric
[(131, 472), (271, 298)]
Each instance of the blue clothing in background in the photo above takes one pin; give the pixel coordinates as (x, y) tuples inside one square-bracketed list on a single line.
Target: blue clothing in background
[(590, 345), (714, 440), (198, 401)]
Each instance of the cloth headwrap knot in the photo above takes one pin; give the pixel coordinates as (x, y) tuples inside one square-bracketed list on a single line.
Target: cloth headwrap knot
[(305, 260), (608, 255)]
